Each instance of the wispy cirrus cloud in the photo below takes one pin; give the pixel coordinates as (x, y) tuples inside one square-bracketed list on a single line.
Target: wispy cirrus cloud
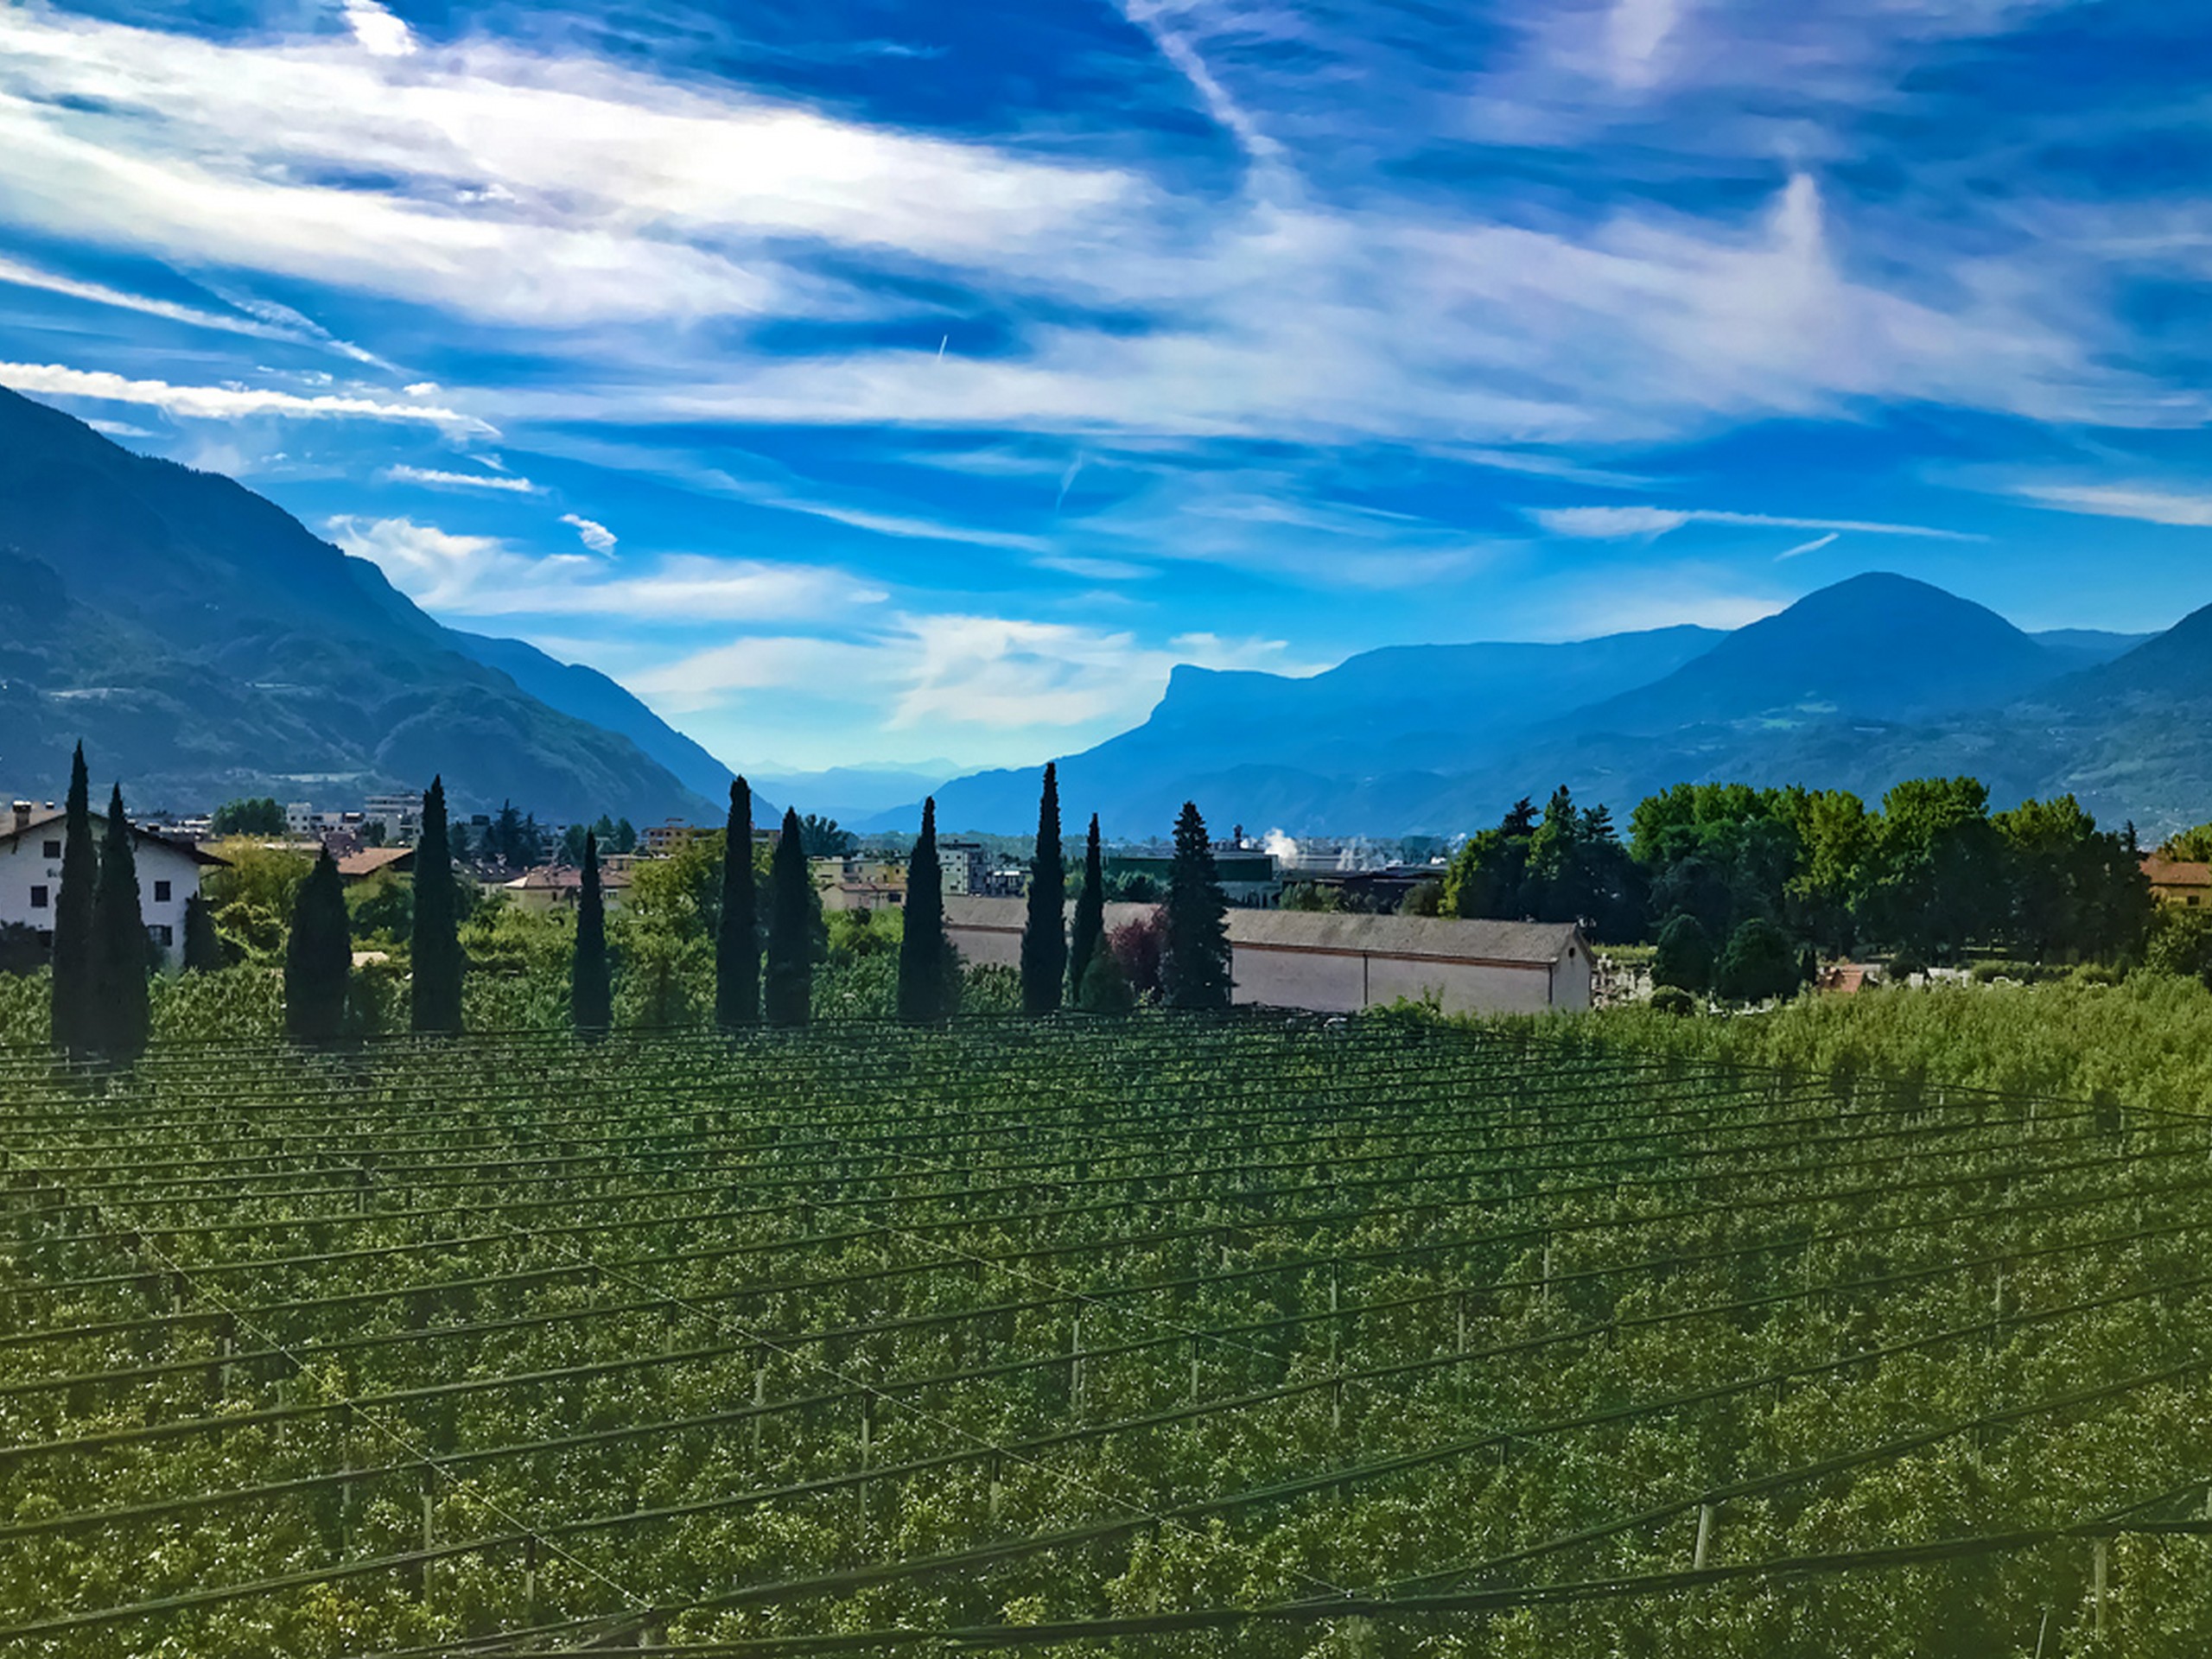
[(436, 479), (225, 403), (2150, 506), (1621, 523), (593, 534), (473, 575)]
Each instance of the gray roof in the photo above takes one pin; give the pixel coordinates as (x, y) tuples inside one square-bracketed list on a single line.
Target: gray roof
[(1318, 929)]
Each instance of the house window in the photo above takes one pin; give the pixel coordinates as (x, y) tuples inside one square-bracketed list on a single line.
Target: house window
[(51, 850), (38, 898), (160, 893), (162, 934)]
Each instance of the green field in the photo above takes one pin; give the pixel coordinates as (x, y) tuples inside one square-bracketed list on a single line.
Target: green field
[(1150, 1337)]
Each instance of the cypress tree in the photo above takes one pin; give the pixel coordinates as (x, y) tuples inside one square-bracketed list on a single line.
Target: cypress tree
[(591, 989), (76, 991), (1194, 971), (119, 948), (737, 935), (1044, 937), (435, 948), (203, 946), (929, 985), (318, 957), (790, 931), (1089, 917)]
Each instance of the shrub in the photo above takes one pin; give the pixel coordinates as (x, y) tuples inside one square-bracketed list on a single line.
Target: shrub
[(1672, 1000), (1684, 958)]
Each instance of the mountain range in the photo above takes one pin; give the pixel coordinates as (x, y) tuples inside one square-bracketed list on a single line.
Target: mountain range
[(1875, 679), (203, 645)]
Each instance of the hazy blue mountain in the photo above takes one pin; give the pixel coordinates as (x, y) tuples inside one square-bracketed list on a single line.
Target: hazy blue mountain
[(1878, 645), (1364, 740), (588, 695), (1856, 687), (2087, 647), (853, 795), (203, 644)]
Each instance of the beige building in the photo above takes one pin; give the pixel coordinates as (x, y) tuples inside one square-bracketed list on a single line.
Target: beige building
[(2178, 881), (1335, 964), (560, 886)]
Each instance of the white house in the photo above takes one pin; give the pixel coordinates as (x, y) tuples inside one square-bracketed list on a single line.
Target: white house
[(1335, 963), (31, 875)]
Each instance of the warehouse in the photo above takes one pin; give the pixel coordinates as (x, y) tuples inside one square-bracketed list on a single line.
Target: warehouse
[(1335, 963)]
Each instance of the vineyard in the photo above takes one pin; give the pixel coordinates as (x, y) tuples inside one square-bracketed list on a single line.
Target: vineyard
[(1257, 1336)]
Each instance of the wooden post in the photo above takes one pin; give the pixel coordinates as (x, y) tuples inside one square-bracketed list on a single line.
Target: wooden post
[(529, 1579), (1707, 1514), (2100, 1571), (759, 1396), (429, 1533), (1074, 1360), (1194, 1370), (998, 1488)]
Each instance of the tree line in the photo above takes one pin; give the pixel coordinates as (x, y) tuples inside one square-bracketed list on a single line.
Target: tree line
[(1739, 885), (763, 927)]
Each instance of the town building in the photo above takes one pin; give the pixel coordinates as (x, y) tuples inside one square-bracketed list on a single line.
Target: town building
[(561, 886), (1337, 963), (662, 839), (31, 875), (2178, 881), (858, 882), (400, 814), (371, 861)]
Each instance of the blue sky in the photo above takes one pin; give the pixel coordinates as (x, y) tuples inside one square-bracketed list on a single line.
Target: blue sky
[(863, 383)]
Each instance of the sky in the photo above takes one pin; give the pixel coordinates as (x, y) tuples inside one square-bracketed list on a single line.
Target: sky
[(861, 383)]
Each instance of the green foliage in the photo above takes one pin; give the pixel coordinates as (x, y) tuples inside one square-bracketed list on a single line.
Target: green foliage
[(1106, 988), (1758, 964), (737, 927), (1194, 969), (259, 815), (382, 909), (75, 1004), (1313, 897), (1043, 934), (512, 838), (318, 957), (203, 946), (1673, 1002), (434, 951), (929, 972), (2179, 942), (821, 838), (1684, 958), (1088, 930), (680, 891), (120, 951), (666, 982), (591, 987), (21, 951), (791, 908), (2192, 846)]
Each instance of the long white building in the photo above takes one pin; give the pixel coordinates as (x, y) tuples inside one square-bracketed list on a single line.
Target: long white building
[(31, 875), (1334, 963)]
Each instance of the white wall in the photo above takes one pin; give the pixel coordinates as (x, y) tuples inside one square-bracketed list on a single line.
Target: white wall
[(25, 864), (1340, 982)]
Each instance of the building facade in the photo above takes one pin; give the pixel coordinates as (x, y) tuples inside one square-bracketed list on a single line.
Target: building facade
[(30, 876), (1338, 963)]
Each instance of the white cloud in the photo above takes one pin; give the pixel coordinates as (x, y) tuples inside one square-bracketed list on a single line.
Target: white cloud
[(484, 576), (221, 402), (1803, 547), (119, 429), (1636, 31), (594, 535), (431, 478), (2110, 501), (380, 33), (1618, 524)]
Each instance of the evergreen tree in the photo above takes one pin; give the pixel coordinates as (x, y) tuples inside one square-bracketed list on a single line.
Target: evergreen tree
[(1195, 968), (123, 1015), (591, 990), (203, 946), (437, 945), (737, 935), (76, 991), (1045, 937), (1684, 958), (1089, 917), (789, 990), (929, 979), (318, 957)]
